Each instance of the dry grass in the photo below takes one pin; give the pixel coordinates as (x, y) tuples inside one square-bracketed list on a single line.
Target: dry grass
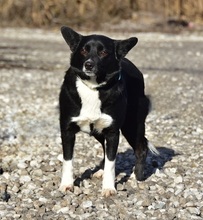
[(92, 12)]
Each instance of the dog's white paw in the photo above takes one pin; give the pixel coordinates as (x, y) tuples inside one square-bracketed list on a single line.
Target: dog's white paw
[(108, 192), (98, 174), (64, 188)]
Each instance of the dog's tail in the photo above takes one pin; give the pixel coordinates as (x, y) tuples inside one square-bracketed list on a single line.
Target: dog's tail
[(152, 148)]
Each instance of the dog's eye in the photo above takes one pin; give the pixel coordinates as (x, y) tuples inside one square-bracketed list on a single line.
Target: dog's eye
[(103, 53), (83, 52)]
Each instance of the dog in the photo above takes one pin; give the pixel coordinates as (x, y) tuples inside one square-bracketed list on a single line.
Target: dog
[(102, 94)]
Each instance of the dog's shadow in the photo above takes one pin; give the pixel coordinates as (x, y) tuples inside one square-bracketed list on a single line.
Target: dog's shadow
[(125, 163)]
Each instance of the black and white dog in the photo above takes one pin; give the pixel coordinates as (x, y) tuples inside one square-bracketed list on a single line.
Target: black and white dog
[(102, 93)]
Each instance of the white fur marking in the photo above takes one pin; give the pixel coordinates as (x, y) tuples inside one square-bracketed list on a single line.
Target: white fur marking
[(103, 122), (152, 148), (109, 175), (90, 112), (67, 175)]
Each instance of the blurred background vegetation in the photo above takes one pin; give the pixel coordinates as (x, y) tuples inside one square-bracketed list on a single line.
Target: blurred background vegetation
[(100, 14)]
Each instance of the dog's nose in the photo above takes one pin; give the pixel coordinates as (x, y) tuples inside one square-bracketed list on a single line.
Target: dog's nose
[(89, 65)]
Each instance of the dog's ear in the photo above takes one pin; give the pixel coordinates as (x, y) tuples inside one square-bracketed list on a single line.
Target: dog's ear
[(124, 46), (71, 37)]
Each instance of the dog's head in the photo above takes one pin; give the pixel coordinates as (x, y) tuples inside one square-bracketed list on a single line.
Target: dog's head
[(96, 56)]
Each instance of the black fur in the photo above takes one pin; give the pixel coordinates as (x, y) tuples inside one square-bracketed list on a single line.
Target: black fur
[(121, 91)]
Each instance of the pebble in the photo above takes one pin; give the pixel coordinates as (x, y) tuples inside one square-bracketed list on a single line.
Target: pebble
[(22, 165), (160, 173), (142, 185), (34, 163), (77, 190), (87, 191), (159, 205), (120, 187), (87, 204), (16, 188), (24, 179), (63, 210), (194, 210), (178, 179), (6, 175), (37, 173)]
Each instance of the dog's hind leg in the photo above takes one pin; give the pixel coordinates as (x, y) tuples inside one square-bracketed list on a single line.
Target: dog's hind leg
[(141, 150), (134, 132), (139, 144)]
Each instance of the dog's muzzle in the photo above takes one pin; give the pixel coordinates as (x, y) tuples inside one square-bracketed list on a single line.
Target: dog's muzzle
[(89, 67)]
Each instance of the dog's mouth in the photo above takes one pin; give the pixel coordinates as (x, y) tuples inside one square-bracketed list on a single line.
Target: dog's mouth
[(89, 73)]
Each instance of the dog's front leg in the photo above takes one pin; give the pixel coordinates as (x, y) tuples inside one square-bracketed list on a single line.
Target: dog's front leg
[(108, 187), (68, 141)]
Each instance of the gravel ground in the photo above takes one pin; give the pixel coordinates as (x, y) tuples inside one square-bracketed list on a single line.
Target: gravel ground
[(32, 66)]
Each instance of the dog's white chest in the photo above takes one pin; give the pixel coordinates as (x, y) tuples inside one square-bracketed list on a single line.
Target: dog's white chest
[(90, 117)]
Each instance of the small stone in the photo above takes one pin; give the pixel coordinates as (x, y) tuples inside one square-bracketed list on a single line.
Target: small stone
[(37, 204), (142, 185), (120, 187), (199, 130), (77, 190), (160, 173), (176, 204), (63, 210), (180, 186), (160, 205), (152, 188), (178, 179), (16, 188), (56, 208), (22, 165), (34, 163), (87, 204), (43, 200), (87, 191), (16, 216), (139, 202), (146, 202), (24, 179), (182, 200), (139, 213), (172, 210), (3, 187), (170, 170), (189, 204), (41, 211), (194, 210), (37, 173), (6, 175), (86, 183), (23, 172)]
